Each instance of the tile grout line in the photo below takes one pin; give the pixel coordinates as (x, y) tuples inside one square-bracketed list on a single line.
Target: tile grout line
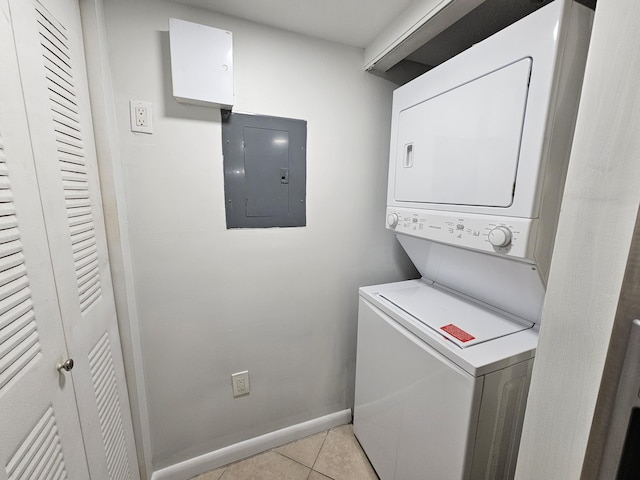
[(318, 455), (311, 469), (315, 460), (274, 450), (289, 458)]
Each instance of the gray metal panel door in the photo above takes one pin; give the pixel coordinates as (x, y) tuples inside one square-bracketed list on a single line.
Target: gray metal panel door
[(266, 164)]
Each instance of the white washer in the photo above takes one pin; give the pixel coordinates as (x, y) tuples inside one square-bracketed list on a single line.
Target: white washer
[(438, 405)]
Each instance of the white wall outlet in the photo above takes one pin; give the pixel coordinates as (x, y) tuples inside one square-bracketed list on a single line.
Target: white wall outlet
[(141, 116), (240, 383)]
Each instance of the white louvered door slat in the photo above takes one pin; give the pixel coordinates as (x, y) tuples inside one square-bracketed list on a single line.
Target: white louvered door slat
[(39, 424), (50, 55)]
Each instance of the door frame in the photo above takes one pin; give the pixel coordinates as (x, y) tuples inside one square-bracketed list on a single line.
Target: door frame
[(567, 407), (102, 103)]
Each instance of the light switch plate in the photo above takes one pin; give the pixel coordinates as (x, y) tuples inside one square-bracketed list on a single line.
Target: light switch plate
[(141, 116)]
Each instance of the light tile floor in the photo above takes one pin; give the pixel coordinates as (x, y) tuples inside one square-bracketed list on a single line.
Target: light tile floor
[(331, 455)]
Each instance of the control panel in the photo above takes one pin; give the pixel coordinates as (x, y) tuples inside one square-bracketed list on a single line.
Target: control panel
[(508, 236)]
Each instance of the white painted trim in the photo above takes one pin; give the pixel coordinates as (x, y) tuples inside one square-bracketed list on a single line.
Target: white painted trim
[(595, 232), (419, 23), (238, 451), (116, 220)]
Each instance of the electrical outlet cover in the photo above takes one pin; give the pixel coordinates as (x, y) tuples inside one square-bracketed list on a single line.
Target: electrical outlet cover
[(240, 383), (141, 116)]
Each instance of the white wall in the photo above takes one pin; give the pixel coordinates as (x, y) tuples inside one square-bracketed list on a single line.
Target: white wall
[(597, 219), (279, 302)]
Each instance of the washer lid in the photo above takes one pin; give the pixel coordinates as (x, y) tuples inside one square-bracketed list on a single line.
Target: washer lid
[(456, 319)]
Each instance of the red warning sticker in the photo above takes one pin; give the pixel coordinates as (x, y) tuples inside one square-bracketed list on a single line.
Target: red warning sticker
[(457, 332)]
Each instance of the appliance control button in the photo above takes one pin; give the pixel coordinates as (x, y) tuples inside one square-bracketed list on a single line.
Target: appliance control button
[(392, 219), (500, 236)]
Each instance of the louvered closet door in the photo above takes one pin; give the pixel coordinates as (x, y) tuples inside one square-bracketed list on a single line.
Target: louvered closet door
[(40, 436), (51, 60)]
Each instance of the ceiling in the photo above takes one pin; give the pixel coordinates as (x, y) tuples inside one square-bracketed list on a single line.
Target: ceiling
[(358, 22), (350, 22)]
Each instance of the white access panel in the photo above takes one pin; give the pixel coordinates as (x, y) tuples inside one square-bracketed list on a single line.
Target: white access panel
[(415, 412), (201, 64), (461, 146)]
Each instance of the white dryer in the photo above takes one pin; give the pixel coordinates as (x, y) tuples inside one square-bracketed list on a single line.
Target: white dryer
[(479, 152)]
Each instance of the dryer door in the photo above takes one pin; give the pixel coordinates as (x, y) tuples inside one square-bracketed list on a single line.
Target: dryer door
[(461, 147)]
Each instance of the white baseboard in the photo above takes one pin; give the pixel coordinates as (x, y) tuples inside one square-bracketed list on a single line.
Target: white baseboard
[(212, 460)]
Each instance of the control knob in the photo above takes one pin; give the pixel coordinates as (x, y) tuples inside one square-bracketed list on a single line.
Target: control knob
[(500, 236), (392, 219)]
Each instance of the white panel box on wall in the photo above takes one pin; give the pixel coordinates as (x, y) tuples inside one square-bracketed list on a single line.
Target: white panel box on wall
[(201, 64)]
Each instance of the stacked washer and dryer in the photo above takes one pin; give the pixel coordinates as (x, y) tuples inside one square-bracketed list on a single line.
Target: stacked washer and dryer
[(479, 152)]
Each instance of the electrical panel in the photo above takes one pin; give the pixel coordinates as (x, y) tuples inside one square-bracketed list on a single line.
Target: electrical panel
[(264, 171)]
